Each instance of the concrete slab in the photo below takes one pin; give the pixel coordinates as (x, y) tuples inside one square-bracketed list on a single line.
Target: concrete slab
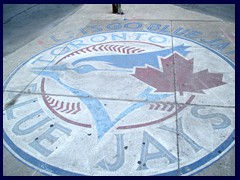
[(216, 84), (226, 12), (123, 96), (143, 11), (24, 75), (14, 167), (71, 30), (223, 167), (24, 22), (201, 133), (77, 128), (219, 36), (29, 51)]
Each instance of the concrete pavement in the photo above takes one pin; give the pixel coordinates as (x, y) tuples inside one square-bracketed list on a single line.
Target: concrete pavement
[(98, 93), (23, 23)]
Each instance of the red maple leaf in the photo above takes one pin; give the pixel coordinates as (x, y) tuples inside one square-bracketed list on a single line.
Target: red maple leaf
[(185, 79)]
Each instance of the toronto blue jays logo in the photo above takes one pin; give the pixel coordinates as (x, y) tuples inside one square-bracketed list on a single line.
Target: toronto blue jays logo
[(118, 103), (132, 58)]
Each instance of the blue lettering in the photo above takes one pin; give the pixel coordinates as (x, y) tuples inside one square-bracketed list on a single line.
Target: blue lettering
[(146, 156), (49, 137), (180, 31), (220, 46), (193, 34), (39, 59), (120, 156), (98, 38), (114, 26), (211, 41), (165, 29), (77, 43), (82, 30), (157, 39), (53, 37), (194, 145), (133, 25), (60, 51), (154, 27), (16, 130), (9, 111), (123, 36), (95, 28), (138, 35), (222, 125)]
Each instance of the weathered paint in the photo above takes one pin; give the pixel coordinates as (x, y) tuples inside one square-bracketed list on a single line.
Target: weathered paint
[(118, 104)]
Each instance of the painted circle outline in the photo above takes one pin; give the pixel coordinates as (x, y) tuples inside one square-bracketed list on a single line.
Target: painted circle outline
[(49, 169)]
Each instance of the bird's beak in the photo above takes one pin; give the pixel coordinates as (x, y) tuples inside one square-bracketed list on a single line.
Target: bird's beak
[(49, 70)]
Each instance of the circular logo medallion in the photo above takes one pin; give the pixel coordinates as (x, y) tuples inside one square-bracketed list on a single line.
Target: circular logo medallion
[(122, 103)]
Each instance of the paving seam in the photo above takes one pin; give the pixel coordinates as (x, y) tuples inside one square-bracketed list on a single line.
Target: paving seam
[(175, 101), (114, 99), (14, 99)]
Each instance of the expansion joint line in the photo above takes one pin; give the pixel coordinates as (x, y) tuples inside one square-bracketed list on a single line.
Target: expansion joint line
[(176, 109)]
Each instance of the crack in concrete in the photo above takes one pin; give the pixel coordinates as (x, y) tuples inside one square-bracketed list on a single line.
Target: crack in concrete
[(7, 21), (115, 99), (176, 109), (207, 105)]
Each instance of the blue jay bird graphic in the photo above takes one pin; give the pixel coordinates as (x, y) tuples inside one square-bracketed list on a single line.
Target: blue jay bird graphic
[(126, 63)]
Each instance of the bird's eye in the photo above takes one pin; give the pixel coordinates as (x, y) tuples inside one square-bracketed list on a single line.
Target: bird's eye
[(84, 69)]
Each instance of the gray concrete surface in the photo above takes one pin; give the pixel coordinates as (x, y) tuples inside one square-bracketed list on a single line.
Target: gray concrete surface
[(54, 24), (224, 11), (22, 23)]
